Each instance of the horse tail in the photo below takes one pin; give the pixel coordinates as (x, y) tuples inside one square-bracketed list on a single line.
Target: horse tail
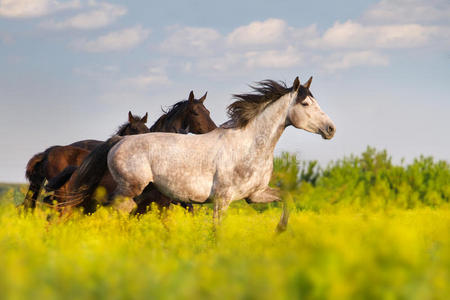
[(36, 176), (59, 180), (92, 169), (34, 166)]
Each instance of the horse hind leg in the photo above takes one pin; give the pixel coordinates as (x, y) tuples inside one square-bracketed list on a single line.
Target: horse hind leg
[(265, 196), (122, 198), (131, 182), (32, 194), (188, 206)]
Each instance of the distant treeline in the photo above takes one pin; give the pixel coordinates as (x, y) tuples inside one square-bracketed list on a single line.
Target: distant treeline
[(370, 180), (11, 188)]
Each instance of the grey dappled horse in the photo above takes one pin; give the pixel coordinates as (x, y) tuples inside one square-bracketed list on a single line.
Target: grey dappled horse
[(232, 162)]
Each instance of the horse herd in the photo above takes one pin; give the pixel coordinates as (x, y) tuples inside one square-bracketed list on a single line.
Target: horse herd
[(138, 166)]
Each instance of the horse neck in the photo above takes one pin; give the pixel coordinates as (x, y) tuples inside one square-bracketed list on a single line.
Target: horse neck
[(175, 122), (123, 129), (179, 120), (158, 124), (267, 127)]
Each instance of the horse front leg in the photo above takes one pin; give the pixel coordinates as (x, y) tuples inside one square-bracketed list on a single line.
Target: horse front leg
[(270, 195)]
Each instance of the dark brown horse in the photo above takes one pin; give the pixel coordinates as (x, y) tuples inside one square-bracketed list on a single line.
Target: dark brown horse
[(48, 164), (183, 117)]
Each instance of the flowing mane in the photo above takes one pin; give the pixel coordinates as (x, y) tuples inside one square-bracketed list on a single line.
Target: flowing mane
[(170, 114), (248, 106)]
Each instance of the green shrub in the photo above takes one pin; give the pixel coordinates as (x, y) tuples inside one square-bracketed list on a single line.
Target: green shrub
[(370, 180)]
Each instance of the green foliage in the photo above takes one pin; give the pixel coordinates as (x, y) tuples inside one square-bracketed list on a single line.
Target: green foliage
[(7, 187), (12, 192), (370, 180)]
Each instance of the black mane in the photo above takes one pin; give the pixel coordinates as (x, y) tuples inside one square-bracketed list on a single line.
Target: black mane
[(122, 128), (170, 113)]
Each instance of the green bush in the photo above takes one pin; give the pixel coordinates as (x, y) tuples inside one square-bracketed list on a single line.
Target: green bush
[(370, 180)]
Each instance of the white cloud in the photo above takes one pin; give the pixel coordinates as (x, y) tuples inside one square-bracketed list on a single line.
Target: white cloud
[(154, 76), (348, 60), (209, 51), (192, 41), (34, 8), (354, 35), (267, 32), (100, 15), (272, 44), (273, 58), (143, 81), (114, 41), (409, 11), (236, 61)]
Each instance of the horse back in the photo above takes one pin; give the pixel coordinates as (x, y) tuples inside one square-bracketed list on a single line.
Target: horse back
[(86, 144)]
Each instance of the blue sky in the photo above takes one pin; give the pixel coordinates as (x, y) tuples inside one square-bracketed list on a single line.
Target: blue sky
[(71, 70)]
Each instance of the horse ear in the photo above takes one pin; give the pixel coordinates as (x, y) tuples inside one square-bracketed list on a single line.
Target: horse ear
[(130, 117), (191, 96), (308, 83), (296, 84), (144, 118), (202, 99)]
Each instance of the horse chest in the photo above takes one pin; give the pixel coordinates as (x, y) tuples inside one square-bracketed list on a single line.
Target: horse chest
[(250, 173), (243, 179)]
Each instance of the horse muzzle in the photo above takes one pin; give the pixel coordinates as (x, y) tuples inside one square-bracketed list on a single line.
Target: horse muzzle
[(327, 131)]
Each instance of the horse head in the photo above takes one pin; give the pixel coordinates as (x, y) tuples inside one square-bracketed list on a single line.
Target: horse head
[(197, 118), (305, 113), (135, 125)]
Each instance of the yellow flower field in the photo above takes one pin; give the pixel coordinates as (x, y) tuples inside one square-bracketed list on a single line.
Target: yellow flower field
[(395, 254), (360, 228)]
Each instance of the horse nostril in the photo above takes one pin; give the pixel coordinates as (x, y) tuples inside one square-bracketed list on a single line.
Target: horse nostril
[(330, 129)]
